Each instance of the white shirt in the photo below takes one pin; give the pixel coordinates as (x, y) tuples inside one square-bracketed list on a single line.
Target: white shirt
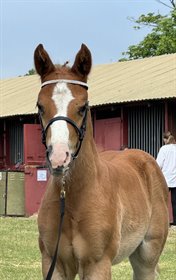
[(166, 160)]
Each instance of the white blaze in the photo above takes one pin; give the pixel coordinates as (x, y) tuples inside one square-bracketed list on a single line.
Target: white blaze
[(59, 141), (61, 97)]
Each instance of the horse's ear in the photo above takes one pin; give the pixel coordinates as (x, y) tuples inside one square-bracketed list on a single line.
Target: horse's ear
[(83, 62), (42, 61)]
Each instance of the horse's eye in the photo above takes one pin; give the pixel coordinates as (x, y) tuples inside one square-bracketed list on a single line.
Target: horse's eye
[(82, 110), (40, 108)]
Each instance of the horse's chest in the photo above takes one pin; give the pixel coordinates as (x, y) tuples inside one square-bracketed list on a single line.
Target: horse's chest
[(81, 243), (82, 236)]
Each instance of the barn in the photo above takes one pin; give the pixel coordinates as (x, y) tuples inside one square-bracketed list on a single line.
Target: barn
[(132, 103)]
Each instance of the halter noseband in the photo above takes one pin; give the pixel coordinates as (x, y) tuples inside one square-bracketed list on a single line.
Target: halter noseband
[(79, 130)]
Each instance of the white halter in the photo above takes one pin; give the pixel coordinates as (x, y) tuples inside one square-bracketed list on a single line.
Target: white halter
[(65, 81)]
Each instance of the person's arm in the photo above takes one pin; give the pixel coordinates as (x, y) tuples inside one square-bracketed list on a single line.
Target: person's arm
[(160, 158)]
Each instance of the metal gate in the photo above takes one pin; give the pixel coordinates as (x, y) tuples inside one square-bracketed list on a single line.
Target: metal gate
[(3, 184), (15, 194), (12, 200), (145, 127)]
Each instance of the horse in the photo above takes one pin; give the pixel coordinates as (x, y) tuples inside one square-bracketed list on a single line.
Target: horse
[(115, 202)]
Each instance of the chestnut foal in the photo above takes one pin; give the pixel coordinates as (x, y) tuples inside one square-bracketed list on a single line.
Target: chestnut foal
[(115, 203)]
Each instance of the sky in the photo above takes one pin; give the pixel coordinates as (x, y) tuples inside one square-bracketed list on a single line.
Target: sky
[(62, 26)]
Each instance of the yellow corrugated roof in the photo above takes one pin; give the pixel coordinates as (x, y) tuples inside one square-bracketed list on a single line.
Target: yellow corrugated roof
[(143, 79), (19, 95)]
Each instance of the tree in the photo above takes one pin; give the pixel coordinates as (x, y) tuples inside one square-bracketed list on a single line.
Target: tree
[(33, 72), (30, 72), (161, 39)]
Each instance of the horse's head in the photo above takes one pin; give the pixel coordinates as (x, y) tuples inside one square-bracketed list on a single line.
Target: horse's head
[(62, 105)]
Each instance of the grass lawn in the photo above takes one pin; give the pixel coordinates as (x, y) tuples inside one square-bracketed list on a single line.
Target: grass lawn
[(20, 256)]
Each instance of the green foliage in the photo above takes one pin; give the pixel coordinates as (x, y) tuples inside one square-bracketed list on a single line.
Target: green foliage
[(31, 72), (161, 39)]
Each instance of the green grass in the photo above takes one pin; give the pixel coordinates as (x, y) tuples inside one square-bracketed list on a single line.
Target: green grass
[(19, 254), (20, 257)]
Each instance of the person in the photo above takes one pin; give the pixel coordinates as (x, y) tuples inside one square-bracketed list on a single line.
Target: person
[(124, 147), (166, 160)]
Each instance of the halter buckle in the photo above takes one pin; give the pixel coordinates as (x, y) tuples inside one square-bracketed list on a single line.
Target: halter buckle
[(62, 193)]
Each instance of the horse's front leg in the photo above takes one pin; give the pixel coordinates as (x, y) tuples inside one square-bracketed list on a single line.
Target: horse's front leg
[(92, 270), (46, 262), (60, 273)]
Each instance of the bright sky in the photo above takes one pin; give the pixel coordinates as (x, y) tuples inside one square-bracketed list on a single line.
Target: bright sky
[(62, 26)]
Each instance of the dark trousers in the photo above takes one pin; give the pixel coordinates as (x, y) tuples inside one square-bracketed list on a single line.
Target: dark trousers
[(173, 201)]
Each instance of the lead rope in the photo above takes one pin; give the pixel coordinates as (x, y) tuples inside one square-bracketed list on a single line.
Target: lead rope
[(62, 212)]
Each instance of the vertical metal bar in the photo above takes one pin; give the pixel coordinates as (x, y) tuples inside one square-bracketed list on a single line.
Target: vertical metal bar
[(144, 136), (121, 126), (129, 128), (135, 135), (4, 143), (139, 127), (166, 125), (136, 128), (146, 128), (142, 129), (154, 130), (149, 129), (152, 121), (6, 193)]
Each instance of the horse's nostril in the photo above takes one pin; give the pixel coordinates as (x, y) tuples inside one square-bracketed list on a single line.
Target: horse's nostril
[(67, 155)]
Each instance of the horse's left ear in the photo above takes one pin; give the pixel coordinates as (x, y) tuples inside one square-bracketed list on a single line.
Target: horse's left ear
[(83, 62), (42, 61)]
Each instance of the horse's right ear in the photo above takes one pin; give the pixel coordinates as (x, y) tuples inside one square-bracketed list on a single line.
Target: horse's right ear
[(83, 62), (42, 61)]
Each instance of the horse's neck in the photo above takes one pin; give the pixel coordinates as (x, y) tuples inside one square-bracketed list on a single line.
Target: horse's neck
[(86, 164)]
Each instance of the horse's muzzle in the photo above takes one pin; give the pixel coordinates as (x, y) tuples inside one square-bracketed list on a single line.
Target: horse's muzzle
[(59, 170)]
